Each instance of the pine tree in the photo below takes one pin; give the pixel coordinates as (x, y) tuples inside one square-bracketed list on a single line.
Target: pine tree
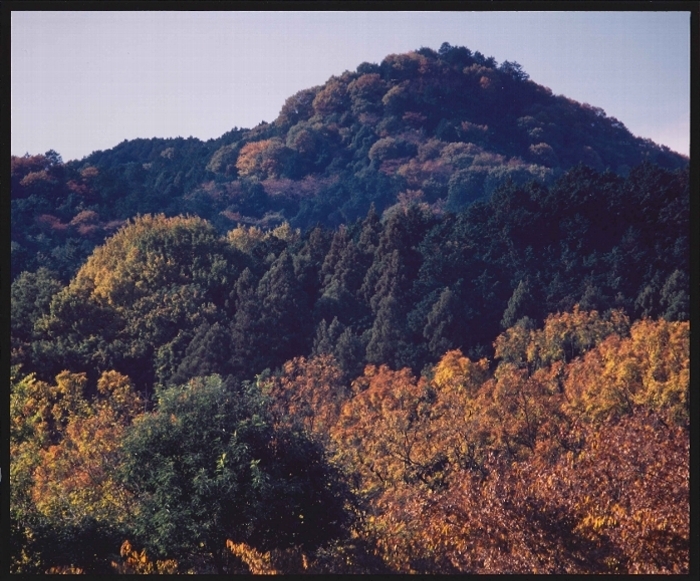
[(519, 304), (440, 322), (386, 333), (246, 358), (285, 323), (206, 354)]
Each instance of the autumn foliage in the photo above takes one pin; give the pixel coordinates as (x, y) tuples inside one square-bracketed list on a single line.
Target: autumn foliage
[(411, 326), (567, 454), (571, 456)]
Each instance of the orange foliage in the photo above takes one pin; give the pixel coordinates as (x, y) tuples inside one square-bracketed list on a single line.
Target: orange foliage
[(135, 563), (498, 474), (309, 393), (74, 476), (380, 434), (261, 158)]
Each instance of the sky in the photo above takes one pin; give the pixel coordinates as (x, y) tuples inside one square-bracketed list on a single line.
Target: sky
[(86, 81)]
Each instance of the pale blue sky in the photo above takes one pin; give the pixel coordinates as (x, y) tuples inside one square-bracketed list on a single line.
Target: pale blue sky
[(83, 81)]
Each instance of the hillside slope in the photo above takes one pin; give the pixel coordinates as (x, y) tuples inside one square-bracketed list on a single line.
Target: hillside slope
[(441, 128)]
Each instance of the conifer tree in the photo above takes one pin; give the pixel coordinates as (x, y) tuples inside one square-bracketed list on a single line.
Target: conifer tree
[(386, 333), (438, 329), (285, 324), (246, 327)]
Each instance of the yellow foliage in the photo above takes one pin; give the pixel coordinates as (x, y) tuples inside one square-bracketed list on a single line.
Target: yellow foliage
[(137, 260), (136, 563), (275, 562), (650, 368), (454, 371), (564, 337), (245, 237), (118, 393), (285, 232)]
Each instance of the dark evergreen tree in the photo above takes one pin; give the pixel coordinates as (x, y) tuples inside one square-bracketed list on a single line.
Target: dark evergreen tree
[(338, 246), (439, 328), (350, 352), (675, 297), (207, 353), (326, 337), (284, 310), (247, 329), (30, 298), (519, 305), (369, 235), (386, 333)]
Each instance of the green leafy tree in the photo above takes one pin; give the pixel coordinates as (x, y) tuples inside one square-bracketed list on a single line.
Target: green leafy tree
[(31, 295), (207, 466)]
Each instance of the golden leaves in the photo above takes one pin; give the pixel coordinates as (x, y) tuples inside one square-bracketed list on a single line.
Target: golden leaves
[(65, 570), (141, 257), (650, 368), (138, 563), (275, 562), (454, 371), (66, 454), (564, 337)]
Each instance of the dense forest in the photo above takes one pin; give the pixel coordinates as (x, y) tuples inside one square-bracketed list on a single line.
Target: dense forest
[(432, 319)]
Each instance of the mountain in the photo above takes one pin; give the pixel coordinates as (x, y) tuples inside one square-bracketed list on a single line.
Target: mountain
[(432, 319), (440, 128)]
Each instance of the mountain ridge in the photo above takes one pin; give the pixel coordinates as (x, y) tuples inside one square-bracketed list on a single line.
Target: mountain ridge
[(439, 128)]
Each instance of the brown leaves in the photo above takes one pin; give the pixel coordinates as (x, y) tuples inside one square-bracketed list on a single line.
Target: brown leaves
[(310, 393), (627, 491), (498, 474)]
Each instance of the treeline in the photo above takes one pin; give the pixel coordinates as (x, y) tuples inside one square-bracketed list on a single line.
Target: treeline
[(166, 299), (442, 128)]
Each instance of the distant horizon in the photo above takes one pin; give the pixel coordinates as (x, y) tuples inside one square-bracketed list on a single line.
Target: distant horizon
[(86, 81)]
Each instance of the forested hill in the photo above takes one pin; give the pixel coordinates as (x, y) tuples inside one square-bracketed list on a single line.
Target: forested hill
[(432, 319), (440, 128)]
